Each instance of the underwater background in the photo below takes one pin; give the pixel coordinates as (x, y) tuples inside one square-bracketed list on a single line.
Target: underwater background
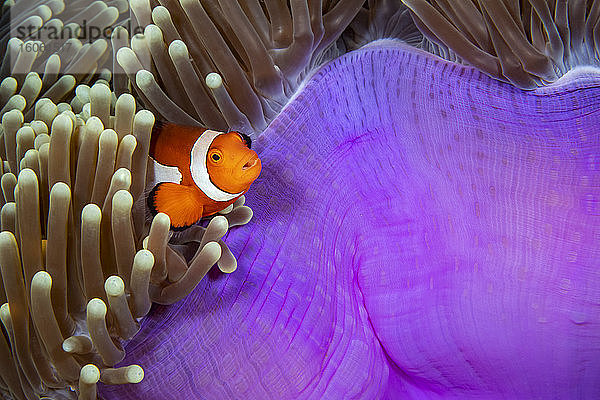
[(426, 224)]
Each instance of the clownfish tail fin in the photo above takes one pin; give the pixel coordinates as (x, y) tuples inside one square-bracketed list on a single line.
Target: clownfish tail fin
[(180, 202)]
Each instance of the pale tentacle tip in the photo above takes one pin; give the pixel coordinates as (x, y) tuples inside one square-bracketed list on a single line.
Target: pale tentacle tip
[(114, 286), (178, 48), (5, 310), (91, 213), (123, 197), (213, 249), (144, 258), (144, 78), (227, 267), (135, 374), (220, 222), (99, 89), (162, 219), (42, 279), (77, 345), (7, 236), (96, 307), (214, 80), (89, 374), (28, 174), (60, 189), (68, 346), (122, 174)]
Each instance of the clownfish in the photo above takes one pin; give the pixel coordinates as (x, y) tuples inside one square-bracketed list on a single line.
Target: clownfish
[(198, 172)]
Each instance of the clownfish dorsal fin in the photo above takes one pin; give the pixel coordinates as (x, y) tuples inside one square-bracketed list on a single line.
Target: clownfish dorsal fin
[(183, 204), (157, 128)]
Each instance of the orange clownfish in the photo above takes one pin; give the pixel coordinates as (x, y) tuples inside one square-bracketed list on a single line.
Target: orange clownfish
[(198, 172)]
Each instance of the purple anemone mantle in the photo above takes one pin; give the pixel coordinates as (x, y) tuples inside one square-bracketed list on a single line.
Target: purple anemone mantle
[(421, 231)]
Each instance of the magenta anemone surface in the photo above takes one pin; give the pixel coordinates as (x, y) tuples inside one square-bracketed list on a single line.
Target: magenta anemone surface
[(421, 231)]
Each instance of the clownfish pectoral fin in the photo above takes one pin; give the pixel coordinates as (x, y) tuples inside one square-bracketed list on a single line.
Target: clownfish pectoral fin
[(183, 204)]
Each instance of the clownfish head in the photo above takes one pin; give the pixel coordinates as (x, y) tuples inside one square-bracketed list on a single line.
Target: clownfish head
[(232, 166)]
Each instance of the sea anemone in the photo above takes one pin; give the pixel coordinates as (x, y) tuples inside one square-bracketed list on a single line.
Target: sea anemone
[(73, 256), (420, 232), (228, 63), (317, 296), (528, 43)]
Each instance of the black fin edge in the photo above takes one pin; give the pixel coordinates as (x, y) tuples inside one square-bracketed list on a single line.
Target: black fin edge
[(150, 200)]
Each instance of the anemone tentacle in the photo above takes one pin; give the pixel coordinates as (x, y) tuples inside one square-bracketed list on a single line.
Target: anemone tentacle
[(528, 43)]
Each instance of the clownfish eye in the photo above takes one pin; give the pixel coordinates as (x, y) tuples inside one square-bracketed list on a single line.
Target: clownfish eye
[(216, 157)]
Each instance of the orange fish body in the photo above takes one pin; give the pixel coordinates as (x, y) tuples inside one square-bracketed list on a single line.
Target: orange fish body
[(198, 172)]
